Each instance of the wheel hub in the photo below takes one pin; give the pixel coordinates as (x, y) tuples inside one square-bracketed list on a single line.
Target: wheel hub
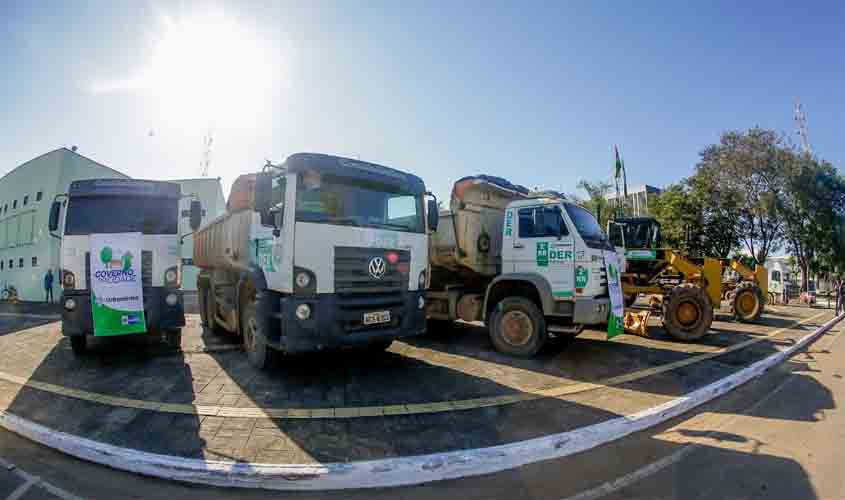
[(688, 314), (249, 334), (517, 328), (746, 303)]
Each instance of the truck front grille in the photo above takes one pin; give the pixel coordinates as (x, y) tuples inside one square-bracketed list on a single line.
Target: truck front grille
[(352, 271)]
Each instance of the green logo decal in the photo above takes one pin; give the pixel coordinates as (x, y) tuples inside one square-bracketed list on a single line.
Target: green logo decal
[(582, 276), (105, 256), (509, 223), (543, 253), (127, 261)]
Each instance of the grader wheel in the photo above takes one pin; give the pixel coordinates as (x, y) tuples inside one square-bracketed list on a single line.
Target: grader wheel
[(687, 312), (748, 302)]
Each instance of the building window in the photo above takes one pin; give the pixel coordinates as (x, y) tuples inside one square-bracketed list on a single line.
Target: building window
[(25, 200), (6, 208), (39, 195), (35, 262), (11, 263), (14, 204), (2, 264), (20, 262)]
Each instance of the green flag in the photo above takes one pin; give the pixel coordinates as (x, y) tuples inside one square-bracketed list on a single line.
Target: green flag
[(618, 162)]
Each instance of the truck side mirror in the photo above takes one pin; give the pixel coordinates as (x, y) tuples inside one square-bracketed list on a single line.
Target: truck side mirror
[(55, 209), (433, 215), (263, 196), (195, 215)]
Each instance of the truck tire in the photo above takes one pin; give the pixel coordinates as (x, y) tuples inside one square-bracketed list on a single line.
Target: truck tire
[(173, 338), (259, 354), (687, 312), (79, 345), (202, 290), (209, 309), (748, 302), (517, 327)]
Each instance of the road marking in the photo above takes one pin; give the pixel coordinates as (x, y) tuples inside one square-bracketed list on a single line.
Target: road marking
[(400, 409), (399, 471), (638, 475), (30, 481)]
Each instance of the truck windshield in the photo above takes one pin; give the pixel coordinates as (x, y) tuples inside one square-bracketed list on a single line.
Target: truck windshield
[(122, 214), (346, 201), (587, 227)]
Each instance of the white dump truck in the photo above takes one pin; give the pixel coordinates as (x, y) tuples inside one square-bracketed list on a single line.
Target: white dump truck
[(120, 261), (525, 264), (318, 252)]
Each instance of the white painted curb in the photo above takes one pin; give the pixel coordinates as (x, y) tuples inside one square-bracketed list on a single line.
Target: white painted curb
[(392, 471)]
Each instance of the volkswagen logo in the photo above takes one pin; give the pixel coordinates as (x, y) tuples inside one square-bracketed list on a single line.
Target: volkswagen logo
[(377, 267)]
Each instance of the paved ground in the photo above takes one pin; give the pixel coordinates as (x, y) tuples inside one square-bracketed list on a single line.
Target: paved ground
[(423, 395), (777, 437)]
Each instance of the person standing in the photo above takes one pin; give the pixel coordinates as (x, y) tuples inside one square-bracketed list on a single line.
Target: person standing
[(840, 295), (48, 286)]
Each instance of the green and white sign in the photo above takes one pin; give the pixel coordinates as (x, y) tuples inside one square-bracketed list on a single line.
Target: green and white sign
[(582, 277), (117, 300), (546, 254), (509, 223), (615, 322), (641, 254)]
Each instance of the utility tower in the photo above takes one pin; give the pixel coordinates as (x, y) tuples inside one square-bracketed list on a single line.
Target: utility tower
[(801, 123), (207, 140)]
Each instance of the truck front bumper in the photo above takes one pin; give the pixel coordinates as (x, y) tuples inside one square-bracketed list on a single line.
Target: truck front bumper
[(591, 311), (337, 321), (158, 315)]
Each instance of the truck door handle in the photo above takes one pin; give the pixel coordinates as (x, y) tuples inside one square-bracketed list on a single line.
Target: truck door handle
[(518, 245)]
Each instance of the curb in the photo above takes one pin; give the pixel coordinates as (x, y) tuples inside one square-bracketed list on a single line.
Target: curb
[(393, 471)]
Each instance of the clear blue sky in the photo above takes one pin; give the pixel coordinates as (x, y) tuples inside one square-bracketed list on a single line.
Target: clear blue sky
[(535, 92)]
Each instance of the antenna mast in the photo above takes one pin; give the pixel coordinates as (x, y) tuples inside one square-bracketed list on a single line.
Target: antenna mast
[(207, 140), (801, 123)]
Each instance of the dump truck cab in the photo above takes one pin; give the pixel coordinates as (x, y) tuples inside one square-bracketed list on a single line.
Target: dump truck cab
[(559, 246)]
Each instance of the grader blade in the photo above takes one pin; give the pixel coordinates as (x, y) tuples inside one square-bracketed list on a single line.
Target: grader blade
[(636, 323)]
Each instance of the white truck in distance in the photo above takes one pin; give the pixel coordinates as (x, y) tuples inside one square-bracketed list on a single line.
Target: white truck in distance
[(330, 252), (525, 265)]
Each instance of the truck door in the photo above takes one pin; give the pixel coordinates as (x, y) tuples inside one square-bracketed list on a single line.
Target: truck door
[(544, 245)]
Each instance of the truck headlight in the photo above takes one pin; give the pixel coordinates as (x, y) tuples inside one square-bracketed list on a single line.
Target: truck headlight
[(172, 299), (303, 279), (68, 279), (421, 282), (171, 277), (303, 312)]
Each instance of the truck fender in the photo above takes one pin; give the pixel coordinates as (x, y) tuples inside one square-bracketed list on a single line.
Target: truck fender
[(539, 282), (254, 275)]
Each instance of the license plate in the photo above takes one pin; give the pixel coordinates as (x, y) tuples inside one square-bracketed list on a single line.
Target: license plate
[(374, 318)]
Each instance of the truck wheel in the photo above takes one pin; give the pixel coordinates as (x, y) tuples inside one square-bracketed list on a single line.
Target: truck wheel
[(210, 308), (259, 354), (687, 312), (748, 302), (173, 338), (202, 290), (518, 327), (79, 345), (630, 298)]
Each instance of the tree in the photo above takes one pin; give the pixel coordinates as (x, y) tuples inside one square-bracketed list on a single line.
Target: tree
[(597, 199), (743, 177), (811, 209)]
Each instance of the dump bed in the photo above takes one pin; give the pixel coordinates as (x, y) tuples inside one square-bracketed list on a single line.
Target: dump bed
[(468, 240), (224, 243)]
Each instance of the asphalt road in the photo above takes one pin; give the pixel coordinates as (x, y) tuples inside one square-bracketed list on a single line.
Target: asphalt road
[(778, 437)]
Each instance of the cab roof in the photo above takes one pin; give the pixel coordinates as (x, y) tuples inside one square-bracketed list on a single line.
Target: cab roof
[(347, 167)]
